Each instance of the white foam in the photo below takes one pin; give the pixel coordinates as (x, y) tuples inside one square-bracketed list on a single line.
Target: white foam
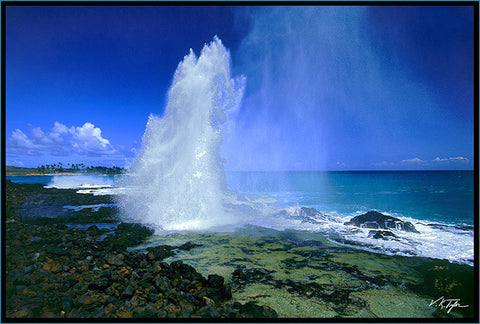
[(446, 242), (95, 207), (80, 182)]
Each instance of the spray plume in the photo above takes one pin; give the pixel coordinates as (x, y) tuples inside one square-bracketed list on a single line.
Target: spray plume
[(178, 181)]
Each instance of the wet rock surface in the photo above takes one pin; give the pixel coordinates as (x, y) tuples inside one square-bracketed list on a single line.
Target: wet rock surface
[(376, 220), (58, 271), (307, 215), (384, 235)]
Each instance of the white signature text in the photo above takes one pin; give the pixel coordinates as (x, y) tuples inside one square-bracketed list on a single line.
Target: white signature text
[(447, 303)]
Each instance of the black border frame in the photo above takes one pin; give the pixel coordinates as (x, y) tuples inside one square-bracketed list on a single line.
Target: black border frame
[(475, 4)]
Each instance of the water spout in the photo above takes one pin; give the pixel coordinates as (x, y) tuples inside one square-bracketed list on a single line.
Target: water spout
[(178, 181)]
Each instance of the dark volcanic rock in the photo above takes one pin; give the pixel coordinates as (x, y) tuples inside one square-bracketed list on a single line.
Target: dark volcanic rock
[(128, 234), (116, 259), (238, 273), (384, 235), (307, 215), (56, 251), (376, 220), (188, 246), (56, 271), (99, 284), (160, 252), (178, 268), (252, 310), (163, 284), (128, 292), (208, 312), (215, 280)]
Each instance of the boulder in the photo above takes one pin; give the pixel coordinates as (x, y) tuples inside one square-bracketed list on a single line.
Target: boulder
[(215, 280), (101, 283), (128, 292), (376, 220), (188, 246), (160, 252), (379, 234), (163, 284), (116, 259)]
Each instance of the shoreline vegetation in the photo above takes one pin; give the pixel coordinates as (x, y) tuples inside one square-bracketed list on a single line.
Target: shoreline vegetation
[(59, 169)]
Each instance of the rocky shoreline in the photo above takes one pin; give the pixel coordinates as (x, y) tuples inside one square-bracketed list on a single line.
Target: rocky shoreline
[(81, 264), (57, 271)]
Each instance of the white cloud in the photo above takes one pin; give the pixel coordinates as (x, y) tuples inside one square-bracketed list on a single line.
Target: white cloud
[(417, 162), (60, 141), (457, 159), (88, 139), (414, 160), (19, 142), (437, 160), (57, 131), (383, 164)]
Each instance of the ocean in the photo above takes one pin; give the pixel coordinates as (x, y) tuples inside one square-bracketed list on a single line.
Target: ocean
[(440, 204), (436, 196)]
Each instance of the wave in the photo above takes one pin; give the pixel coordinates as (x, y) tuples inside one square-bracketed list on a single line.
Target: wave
[(439, 240), (81, 182), (434, 240)]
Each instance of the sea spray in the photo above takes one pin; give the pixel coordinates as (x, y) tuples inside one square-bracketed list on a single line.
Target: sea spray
[(178, 181), (81, 181)]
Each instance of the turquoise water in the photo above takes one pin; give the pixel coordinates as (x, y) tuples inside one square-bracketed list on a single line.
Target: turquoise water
[(439, 196), (433, 201)]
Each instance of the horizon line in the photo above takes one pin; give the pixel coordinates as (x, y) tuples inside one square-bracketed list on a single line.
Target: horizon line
[(264, 171)]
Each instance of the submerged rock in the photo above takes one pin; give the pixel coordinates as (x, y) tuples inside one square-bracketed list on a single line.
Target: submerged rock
[(188, 246), (306, 215), (252, 310), (160, 252), (376, 220), (384, 235)]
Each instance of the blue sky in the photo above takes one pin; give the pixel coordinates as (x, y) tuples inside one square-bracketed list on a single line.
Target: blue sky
[(328, 88)]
